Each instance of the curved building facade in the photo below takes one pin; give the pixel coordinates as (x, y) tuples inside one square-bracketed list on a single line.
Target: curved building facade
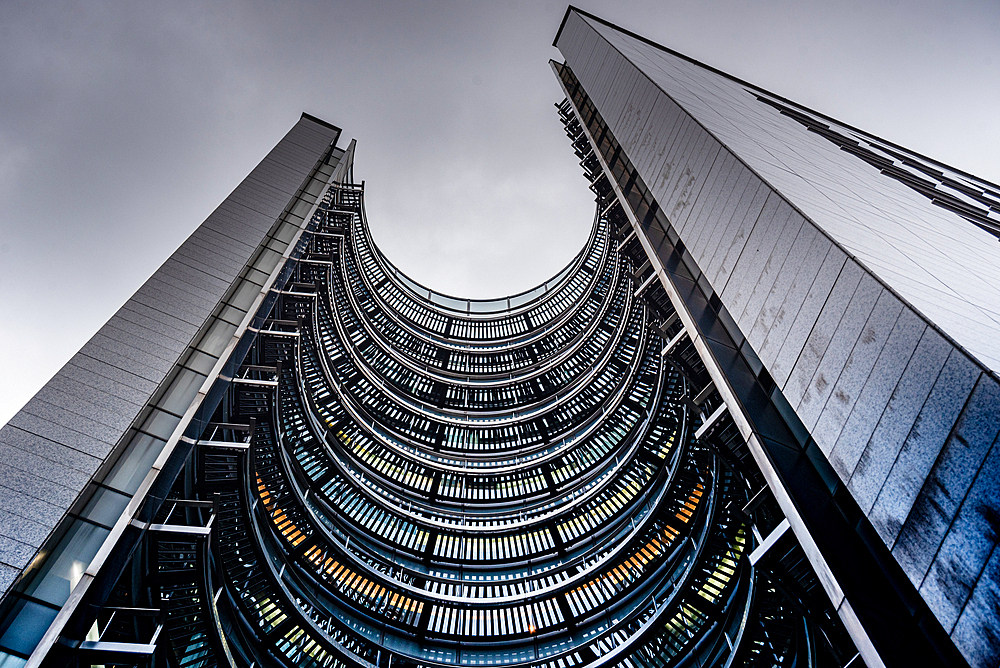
[(398, 477), (432, 481)]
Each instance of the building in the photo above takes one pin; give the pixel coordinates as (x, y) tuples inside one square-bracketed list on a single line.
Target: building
[(741, 427), (843, 293)]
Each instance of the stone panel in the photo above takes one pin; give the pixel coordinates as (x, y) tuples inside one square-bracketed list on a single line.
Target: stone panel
[(885, 395), (971, 539), (866, 438), (742, 279), (884, 323), (735, 226), (976, 633), (719, 207), (788, 234), (691, 226), (945, 486)]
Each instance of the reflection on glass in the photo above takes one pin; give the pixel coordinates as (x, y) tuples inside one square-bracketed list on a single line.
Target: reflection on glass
[(134, 464), (29, 620), (66, 565), (160, 424), (11, 661), (105, 506), (217, 337), (182, 390)]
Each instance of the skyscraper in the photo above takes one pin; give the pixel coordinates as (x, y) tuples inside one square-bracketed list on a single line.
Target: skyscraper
[(843, 293), (751, 423)]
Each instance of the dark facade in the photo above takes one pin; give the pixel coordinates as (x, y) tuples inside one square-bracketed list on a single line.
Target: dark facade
[(720, 436)]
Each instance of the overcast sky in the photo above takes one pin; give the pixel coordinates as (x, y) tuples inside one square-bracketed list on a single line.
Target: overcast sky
[(122, 125)]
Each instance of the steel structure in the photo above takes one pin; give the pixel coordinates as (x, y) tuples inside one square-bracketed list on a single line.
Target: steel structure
[(399, 477)]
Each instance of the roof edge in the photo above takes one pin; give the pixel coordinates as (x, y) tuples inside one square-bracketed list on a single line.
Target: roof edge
[(320, 121), (753, 86)]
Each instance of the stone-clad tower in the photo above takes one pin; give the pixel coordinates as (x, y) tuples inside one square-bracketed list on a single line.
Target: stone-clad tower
[(844, 294)]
